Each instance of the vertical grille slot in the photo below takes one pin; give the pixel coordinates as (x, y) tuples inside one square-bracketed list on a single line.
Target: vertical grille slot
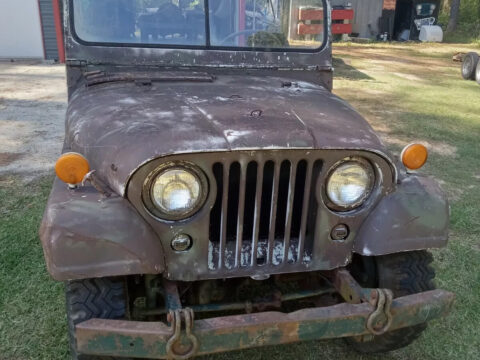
[(307, 231), (249, 214), (297, 207), (264, 213), (215, 229), (232, 214), (282, 199), (265, 210)]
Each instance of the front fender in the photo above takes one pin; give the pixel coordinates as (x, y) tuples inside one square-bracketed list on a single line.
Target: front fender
[(414, 217), (86, 235)]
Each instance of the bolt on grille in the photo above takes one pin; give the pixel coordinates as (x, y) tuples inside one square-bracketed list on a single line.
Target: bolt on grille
[(263, 214)]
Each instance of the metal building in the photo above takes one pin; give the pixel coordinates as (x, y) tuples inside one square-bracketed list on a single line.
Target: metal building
[(29, 29), (367, 15)]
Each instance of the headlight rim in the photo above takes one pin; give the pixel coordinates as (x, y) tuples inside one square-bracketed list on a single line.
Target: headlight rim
[(147, 191), (368, 166)]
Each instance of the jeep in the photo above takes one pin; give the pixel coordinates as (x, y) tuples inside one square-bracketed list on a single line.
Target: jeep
[(214, 195)]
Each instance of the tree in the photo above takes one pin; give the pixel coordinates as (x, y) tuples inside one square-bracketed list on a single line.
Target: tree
[(454, 12)]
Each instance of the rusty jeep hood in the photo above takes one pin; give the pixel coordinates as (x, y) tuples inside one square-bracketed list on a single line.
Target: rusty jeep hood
[(120, 126)]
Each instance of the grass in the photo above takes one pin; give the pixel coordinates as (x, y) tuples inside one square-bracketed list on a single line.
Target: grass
[(468, 29), (32, 321), (408, 92)]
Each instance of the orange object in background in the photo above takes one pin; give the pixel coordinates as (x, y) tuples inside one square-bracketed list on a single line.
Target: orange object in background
[(414, 156), (72, 167)]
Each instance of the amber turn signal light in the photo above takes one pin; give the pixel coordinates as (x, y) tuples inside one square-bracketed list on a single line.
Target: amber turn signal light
[(414, 156), (71, 168)]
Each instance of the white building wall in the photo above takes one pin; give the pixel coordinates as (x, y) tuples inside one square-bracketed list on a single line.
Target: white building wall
[(20, 29)]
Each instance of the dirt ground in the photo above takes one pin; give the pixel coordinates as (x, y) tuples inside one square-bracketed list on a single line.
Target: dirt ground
[(33, 102)]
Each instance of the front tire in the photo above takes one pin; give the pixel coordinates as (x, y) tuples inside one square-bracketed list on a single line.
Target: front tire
[(403, 273), (103, 298)]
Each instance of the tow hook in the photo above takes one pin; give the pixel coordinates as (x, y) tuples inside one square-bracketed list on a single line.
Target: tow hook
[(380, 319), (181, 346)]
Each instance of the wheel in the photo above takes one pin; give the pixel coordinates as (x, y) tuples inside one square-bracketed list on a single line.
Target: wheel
[(469, 65), (103, 298), (477, 73), (403, 273)]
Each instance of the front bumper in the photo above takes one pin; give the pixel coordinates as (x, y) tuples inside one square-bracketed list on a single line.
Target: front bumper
[(151, 339)]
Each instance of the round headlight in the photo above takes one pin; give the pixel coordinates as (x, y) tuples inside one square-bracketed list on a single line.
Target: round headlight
[(177, 192), (349, 184)]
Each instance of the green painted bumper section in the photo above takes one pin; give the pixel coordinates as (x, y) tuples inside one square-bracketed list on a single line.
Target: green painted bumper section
[(149, 339)]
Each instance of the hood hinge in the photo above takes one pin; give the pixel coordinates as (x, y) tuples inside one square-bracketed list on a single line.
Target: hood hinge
[(79, 63)]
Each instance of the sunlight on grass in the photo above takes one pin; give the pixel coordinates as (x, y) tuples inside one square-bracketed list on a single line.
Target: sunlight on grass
[(443, 109)]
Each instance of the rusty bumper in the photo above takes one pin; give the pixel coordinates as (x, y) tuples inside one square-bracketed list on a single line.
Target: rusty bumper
[(151, 339)]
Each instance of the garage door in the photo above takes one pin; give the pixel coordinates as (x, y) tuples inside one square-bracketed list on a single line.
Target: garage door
[(48, 28)]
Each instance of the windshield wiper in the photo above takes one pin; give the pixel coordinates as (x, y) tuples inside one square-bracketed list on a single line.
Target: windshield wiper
[(145, 78)]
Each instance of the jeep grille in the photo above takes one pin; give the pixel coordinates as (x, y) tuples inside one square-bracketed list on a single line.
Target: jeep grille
[(264, 213)]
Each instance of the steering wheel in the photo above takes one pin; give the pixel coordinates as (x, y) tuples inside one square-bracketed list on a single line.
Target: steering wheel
[(237, 34)]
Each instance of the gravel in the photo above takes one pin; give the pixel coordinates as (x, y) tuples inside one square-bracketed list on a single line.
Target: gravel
[(33, 101)]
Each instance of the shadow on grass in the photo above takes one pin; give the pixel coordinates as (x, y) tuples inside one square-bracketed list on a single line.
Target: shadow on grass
[(345, 71)]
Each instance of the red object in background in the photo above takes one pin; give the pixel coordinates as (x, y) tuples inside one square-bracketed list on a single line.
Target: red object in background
[(59, 30), (310, 14), (341, 28), (310, 29), (342, 14), (307, 15), (389, 4)]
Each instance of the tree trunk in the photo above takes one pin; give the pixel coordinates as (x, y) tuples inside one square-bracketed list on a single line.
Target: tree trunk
[(454, 11)]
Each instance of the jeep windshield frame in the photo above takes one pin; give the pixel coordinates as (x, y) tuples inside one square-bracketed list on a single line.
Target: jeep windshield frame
[(289, 39)]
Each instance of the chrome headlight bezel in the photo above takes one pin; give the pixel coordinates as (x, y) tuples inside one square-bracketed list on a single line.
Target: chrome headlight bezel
[(147, 191), (368, 167)]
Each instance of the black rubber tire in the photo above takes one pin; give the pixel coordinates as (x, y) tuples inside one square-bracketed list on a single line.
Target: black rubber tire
[(403, 273), (469, 65), (477, 73), (103, 298)]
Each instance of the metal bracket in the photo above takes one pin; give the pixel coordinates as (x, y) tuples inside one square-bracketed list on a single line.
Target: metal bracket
[(348, 287), (380, 319), (181, 346), (98, 184)]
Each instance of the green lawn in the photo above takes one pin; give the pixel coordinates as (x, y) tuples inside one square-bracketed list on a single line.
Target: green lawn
[(408, 93)]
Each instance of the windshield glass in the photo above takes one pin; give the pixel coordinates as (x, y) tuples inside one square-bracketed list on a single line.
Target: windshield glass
[(250, 24)]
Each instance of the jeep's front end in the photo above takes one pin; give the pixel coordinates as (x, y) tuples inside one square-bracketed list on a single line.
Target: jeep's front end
[(208, 171)]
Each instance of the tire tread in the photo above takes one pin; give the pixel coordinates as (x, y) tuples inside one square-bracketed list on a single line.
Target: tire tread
[(93, 298), (405, 274)]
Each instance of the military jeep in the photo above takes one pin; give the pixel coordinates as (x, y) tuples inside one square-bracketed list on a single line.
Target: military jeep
[(214, 195)]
